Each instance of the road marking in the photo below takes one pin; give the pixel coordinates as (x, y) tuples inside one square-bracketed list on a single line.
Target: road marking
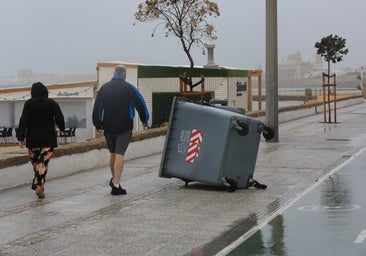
[(282, 209), (323, 208), (361, 237)]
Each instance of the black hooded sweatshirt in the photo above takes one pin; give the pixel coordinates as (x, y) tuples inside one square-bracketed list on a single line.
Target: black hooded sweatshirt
[(37, 122)]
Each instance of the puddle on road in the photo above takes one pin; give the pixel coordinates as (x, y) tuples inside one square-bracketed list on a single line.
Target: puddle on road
[(329, 220)]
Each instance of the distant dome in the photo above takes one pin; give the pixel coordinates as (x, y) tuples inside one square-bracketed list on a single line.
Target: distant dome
[(294, 57)]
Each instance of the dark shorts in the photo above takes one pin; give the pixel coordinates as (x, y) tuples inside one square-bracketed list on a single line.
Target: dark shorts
[(118, 143)]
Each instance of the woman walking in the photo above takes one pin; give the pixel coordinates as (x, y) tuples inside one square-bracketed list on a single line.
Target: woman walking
[(36, 131)]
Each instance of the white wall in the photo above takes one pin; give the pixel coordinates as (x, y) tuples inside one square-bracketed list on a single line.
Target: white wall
[(11, 106), (6, 113), (105, 72), (69, 164)]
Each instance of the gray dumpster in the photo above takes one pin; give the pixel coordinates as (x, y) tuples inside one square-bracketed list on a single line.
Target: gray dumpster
[(223, 104), (210, 145)]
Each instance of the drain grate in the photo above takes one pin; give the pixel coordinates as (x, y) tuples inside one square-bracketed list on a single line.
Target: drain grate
[(337, 139)]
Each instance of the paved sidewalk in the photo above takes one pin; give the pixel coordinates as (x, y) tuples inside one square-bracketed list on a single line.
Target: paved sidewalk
[(164, 217)]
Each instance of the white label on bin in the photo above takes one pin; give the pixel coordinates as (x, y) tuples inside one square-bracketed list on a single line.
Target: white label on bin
[(194, 146), (184, 137)]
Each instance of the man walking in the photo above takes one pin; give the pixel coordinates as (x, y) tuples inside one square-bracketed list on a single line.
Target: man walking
[(113, 114)]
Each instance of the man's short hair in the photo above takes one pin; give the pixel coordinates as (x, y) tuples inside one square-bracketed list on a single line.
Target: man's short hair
[(120, 70)]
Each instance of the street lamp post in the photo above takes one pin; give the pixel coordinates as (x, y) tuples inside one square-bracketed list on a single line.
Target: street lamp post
[(272, 68)]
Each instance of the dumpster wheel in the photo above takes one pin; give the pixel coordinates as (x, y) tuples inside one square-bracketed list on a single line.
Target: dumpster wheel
[(268, 133), (186, 181), (253, 183), (231, 183)]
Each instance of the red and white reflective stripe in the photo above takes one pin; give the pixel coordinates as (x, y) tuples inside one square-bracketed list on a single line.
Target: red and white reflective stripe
[(194, 146)]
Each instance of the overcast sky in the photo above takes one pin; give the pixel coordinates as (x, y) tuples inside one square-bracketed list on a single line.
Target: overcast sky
[(71, 36)]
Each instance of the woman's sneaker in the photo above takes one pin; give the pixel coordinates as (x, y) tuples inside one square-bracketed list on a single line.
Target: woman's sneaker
[(118, 191), (40, 192)]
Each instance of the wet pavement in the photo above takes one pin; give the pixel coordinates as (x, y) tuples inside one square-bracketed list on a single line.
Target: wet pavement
[(162, 216), (327, 220)]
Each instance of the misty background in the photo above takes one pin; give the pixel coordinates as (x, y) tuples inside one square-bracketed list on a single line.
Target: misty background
[(68, 38)]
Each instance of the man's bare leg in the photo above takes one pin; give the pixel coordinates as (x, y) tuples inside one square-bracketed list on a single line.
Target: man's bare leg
[(112, 158), (118, 168)]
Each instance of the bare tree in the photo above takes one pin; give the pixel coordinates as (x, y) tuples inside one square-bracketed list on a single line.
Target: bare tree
[(331, 48), (185, 19)]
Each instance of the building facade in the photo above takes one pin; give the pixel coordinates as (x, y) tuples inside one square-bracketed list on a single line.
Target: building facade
[(77, 99), (224, 83)]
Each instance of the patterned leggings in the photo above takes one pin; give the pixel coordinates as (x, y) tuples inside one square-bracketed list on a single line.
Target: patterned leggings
[(39, 159)]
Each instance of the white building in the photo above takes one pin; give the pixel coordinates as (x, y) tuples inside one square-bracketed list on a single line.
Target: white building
[(75, 100), (157, 84)]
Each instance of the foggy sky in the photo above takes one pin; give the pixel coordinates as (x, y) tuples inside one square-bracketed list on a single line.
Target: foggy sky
[(70, 37)]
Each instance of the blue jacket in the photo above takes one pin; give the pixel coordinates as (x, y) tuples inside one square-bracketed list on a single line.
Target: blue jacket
[(115, 104)]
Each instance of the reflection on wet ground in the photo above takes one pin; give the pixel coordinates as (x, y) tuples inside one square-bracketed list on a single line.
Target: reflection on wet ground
[(327, 221)]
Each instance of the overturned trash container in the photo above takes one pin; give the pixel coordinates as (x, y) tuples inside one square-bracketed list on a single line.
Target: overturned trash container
[(211, 145), (223, 104)]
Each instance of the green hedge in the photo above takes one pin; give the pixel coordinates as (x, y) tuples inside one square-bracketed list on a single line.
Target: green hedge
[(162, 104), (166, 71)]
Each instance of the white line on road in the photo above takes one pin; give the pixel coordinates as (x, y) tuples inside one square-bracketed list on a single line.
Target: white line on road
[(273, 215), (361, 237)]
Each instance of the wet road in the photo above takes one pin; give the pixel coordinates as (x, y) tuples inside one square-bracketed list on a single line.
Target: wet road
[(161, 217), (329, 219)]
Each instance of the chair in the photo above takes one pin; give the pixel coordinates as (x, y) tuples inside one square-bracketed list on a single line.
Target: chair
[(68, 133), (58, 136), (72, 135), (64, 135), (9, 134), (6, 134), (3, 134)]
